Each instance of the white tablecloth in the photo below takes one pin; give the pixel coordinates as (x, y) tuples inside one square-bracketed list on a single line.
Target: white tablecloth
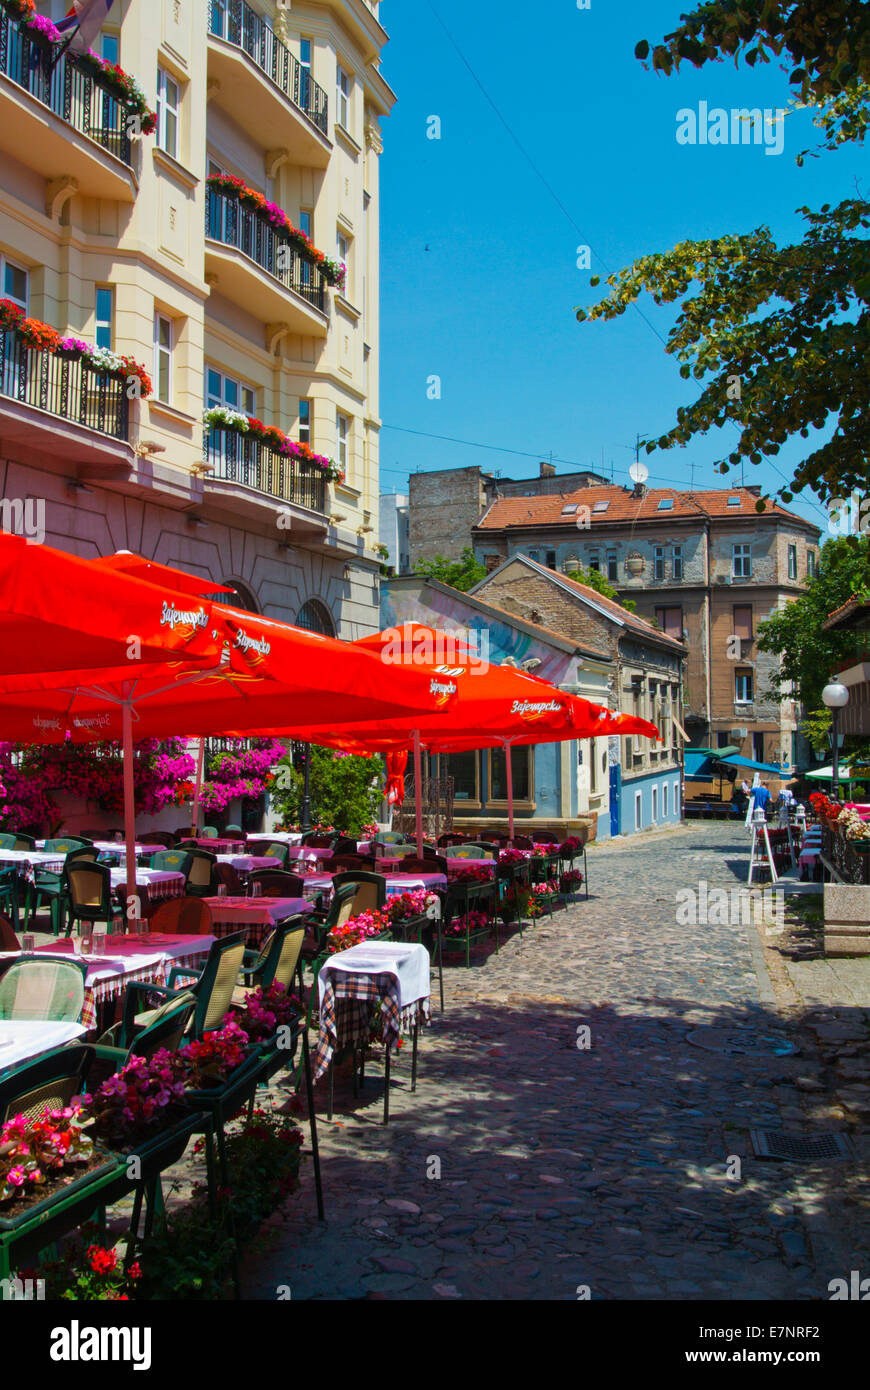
[(25, 858), (21, 1042), (161, 883), (283, 837), (408, 964), (245, 863)]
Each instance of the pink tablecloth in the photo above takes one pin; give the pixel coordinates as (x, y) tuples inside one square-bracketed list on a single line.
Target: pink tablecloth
[(256, 916), (316, 884), (127, 958), (308, 852)]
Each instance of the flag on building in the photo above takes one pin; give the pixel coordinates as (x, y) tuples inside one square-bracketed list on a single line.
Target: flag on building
[(84, 22)]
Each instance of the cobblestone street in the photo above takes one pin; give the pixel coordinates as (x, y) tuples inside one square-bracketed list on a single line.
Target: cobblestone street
[(609, 1168)]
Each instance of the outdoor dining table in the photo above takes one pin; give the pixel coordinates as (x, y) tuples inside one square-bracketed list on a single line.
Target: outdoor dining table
[(220, 846), (380, 985), (126, 958), (309, 852), (111, 847), (25, 860), (152, 886), (283, 837), (318, 884), (22, 1040), (246, 863), (257, 916)]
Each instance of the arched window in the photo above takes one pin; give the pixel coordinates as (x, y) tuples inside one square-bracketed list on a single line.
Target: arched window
[(243, 597), (314, 616)]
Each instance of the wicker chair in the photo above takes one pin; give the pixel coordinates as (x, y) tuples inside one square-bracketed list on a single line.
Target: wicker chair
[(371, 890), (45, 988), (8, 940), (182, 917), (166, 1029), (229, 877), (270, 849), (212, 987), (276, 963), (202, 880), (88, 894), (48, 1083), (275, 883), (158, 837)]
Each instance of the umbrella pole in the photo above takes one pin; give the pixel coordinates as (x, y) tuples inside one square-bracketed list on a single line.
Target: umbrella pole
[(197, 793), (418, 793), (129, 809), (510, 788)]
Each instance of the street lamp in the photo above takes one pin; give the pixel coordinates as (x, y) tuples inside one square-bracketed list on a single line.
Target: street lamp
[(835, 696)]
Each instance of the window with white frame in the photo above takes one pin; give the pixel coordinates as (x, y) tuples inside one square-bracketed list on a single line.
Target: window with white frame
[(105, 307), (304, 421), (658, 562), (223, 390), (655, 804), (163, 357), (167, 112), (741, 561), (342, 246), (677, 559), (664, 800), (811, 567), (743, 687), (638, 811), (305, 47), (16, 282), (342, 110), (792, 562), (342, 440)]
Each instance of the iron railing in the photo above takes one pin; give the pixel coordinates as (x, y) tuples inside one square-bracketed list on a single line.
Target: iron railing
[(238, 24), (79, 97), (66, 387), (850, 865), (240, 459), (229, 222)]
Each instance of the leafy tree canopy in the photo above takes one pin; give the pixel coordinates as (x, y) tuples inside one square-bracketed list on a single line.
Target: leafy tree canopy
[(780, 336), (824, 46), (462, 574), (795, 634), (345, 791), (594, 579)]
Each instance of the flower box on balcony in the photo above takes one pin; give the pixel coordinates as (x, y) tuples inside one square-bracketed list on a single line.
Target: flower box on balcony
[(226, 186)]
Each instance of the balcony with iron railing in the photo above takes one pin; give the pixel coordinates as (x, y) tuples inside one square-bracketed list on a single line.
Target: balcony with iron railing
[(66, 388), (259, 81), (61, 119), (256, 265), (231, 457)]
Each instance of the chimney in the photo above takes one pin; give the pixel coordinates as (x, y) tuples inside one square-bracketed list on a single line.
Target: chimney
[(548, 470)]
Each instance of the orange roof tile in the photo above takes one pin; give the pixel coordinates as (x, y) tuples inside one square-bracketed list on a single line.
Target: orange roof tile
[(548, 510)]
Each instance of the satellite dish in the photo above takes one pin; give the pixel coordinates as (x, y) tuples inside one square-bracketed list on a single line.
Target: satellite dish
[(638, 472)]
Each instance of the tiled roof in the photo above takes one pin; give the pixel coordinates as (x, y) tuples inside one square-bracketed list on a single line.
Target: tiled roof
[(547, 634), (548, 510), (632, 621), (853, 606)]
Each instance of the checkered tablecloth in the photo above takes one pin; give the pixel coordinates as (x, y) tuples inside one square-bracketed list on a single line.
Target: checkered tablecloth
[(152, 886), (257, 916), (354, 1008), (320, 885), (26, 860), (246, 863)]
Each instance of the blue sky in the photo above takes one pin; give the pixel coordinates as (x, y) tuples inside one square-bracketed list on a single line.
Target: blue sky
[(479, 276)]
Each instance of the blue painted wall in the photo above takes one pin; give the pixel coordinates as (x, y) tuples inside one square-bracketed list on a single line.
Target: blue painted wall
[(669, 778)]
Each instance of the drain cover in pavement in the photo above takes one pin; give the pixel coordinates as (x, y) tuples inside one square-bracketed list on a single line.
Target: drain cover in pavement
[(741, 1040), (800, 1148)]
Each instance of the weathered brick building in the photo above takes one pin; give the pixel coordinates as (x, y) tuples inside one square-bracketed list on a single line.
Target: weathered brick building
[(706, 567)]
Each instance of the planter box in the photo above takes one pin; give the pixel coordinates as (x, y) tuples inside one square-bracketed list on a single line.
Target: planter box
[(847, 920), (61, 1212)]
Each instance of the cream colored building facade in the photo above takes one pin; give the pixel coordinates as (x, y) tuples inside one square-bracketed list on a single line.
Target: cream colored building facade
[(128, 248)]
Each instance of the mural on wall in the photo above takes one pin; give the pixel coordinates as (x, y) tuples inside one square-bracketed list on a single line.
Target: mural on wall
[(407, 605)]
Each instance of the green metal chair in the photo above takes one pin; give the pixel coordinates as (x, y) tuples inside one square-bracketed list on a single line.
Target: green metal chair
[(15, 839), (274, 849), (209, 832), (389, 837), (50, 885), (202, 877), (370, 889), (44, 988), (176, 861), (10, 884), (88, 894), (277, 962), (212, 987), (48, 1083), (476, 851), (338, 912), (165, 1030)]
